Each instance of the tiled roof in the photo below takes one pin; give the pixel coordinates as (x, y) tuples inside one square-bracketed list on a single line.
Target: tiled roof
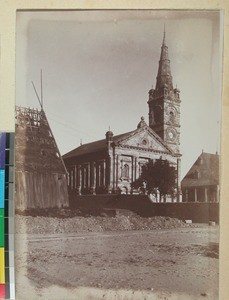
[(93, 147), (204, 172), (101, 145)]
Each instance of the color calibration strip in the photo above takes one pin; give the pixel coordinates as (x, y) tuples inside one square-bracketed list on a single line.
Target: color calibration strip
[(7, 278)]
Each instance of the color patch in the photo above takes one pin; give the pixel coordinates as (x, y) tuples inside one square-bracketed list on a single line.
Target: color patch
[(2, 188), (6, 223), (2, 266), (2, 150), (2, 228), (2, 291)]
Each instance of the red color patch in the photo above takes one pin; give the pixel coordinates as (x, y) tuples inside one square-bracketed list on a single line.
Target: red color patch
[(2, 291)]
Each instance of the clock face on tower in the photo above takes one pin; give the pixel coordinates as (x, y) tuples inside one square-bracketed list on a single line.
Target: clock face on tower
[(171, 134)]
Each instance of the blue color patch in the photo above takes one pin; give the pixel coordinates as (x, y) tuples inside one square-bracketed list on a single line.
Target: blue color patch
[(2, 188)]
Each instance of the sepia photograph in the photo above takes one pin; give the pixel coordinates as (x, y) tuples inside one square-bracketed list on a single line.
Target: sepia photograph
[(117, 154)]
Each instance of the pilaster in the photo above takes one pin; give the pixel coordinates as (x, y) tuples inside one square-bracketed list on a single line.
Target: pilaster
[(136, 167)]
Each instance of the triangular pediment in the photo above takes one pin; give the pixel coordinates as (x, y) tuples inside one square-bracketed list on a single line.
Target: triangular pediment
[(144, 138)]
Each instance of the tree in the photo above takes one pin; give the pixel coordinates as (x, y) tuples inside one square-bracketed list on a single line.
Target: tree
[(157, 175)]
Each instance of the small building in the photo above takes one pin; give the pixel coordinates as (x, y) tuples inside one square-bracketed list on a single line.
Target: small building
[(201, 183), (40, 174)]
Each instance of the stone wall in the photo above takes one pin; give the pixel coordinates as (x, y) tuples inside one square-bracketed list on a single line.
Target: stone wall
[(197, 212)]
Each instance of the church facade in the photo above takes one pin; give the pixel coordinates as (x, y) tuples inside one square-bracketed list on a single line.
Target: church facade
[(111, 165)]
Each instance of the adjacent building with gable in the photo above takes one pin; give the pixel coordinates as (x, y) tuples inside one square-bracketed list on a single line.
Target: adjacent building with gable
[(201, 183)]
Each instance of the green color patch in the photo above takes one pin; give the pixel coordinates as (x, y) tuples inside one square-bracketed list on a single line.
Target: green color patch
[(2, 238)]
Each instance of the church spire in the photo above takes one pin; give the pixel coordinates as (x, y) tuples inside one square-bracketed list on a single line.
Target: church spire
[(164, 43), (164, 77), (164, 103)]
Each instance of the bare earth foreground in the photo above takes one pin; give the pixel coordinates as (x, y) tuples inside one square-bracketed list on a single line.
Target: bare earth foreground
[(178, 263)]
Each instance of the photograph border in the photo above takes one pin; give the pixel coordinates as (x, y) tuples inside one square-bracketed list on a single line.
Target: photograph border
[(7, 82)]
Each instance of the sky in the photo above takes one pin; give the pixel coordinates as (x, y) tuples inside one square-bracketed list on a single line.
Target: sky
[(99, 65)]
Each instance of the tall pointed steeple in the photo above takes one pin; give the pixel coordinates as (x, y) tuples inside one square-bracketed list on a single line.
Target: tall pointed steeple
[(164, 77), (164, 103)]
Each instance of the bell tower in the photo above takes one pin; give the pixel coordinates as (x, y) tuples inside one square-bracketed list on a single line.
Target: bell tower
[(164, 103)]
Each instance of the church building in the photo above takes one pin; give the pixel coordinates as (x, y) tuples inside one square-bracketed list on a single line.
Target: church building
[(110, 165)]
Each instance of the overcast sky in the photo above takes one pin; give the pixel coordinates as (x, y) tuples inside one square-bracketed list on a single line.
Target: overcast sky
[(98, 67)]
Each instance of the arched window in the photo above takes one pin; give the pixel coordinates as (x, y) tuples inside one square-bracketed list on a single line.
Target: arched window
[(125, 171), (171, 117)]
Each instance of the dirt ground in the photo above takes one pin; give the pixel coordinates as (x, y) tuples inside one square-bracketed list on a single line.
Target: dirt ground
[(179, 263)]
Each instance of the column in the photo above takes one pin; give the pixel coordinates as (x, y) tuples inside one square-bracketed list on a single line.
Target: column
[(186, 195), (98, 176), (68, 178), (132, 169), (114, 172), (136, 167), (158, 195), (132, 172), (110, 173), (93, 178), (75, 177), (205, 194), (72, 179), (195, 195), (79, 179), (118, 170), (82, 177), (88, 176)]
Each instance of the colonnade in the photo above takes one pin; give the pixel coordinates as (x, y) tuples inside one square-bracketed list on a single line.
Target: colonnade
[(105, 175), (115, 173), (201, 194)]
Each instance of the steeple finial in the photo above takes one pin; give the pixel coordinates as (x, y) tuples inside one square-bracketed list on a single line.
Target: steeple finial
[(163, 43)]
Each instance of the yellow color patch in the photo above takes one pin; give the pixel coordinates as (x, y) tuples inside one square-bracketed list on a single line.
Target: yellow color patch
[(2, 266)]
